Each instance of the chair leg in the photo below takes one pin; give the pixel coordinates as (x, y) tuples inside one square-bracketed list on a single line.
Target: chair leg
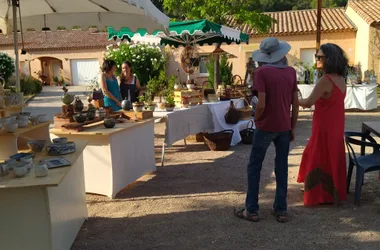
[(358, 185), (349, 175)]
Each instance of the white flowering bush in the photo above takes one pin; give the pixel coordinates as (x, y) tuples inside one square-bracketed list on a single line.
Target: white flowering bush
[(7, 66), (147, 61)]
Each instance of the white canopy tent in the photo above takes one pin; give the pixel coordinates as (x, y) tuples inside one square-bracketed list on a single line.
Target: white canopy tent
[(41, 14)]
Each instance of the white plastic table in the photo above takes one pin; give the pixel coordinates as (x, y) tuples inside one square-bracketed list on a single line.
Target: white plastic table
[(116, 157), (44, 213)]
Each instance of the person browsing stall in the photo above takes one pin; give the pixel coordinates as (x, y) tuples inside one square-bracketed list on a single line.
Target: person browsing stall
[(110, 86)]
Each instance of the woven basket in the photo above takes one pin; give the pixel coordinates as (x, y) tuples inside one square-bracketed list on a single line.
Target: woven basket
[(245, 113), (247, 134), (219, 141)]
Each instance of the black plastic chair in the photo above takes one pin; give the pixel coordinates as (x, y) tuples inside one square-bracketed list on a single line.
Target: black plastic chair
[(364, 163)]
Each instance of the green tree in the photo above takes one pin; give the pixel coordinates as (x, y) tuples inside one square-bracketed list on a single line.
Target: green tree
[(218, 11), (328, 3)]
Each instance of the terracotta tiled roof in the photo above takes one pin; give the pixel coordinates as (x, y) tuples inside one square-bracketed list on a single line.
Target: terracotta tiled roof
[(302, 22), (60, 40), (369, 10)]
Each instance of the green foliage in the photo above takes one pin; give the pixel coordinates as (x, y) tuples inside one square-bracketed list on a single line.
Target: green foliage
[(218, 11), (170, 100), (7, 66), (156, 85), (141, 98), (147, 61), (210, 69), (225, 68), (30, 85)]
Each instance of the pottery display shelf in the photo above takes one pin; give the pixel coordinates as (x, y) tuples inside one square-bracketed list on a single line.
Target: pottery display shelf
[(6, 111), (46, 212), (10, 143), (115, 157)]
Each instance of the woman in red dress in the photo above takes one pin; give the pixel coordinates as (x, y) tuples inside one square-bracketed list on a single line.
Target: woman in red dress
[(323, 165)]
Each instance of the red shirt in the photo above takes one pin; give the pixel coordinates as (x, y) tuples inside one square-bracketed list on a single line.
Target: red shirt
[(279, 85)]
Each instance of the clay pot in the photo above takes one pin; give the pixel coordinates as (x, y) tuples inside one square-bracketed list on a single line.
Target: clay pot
[(161, 105), (78, 104), (41, 170), (138, 107), (90, 115), (67, 98), (109, 122), (126, 104), (79, 118)]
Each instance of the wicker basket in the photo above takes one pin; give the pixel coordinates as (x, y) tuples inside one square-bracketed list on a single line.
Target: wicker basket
[(245, 113), (219, 141)]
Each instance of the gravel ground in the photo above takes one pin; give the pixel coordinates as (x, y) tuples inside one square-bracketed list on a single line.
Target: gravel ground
[(188, 204)]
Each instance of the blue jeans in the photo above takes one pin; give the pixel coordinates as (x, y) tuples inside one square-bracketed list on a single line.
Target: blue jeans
[(261, 142)]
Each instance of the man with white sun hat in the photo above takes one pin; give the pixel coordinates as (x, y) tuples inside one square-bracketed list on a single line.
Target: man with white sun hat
[(276, 84)]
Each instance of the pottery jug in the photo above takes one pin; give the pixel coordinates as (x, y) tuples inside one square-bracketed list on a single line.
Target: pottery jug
[(126, 104), (67, 98), (78, 104), (41, 170), (90, 115), (109, 122), (79, 118)]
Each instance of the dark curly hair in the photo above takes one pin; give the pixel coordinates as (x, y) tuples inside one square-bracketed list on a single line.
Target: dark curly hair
[(108, 65), (335, 59)]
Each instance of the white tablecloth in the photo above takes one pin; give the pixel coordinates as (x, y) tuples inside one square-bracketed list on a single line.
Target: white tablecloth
[(208, 117), (218, 110), (184, 122), (362, 97)]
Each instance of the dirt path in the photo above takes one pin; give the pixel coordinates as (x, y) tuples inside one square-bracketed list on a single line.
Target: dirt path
[(188, 205)]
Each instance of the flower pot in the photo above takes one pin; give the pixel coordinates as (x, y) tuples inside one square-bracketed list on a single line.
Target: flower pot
[(137, 107), (169, 107), (161, 105)]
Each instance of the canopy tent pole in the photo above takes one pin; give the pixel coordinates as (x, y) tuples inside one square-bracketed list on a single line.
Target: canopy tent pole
[(15, 5), (319, 17)]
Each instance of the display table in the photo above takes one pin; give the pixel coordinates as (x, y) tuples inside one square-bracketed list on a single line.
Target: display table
[(115, 157), (10, 143), (12, 109), (363, 97), (44, 213)]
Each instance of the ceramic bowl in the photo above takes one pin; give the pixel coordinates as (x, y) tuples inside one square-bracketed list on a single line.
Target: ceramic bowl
[(22, 123), (43, 118), (61, 148), (13, 118), (12, 163), (41, 169), (11, 127), (36, 145), (21, 169), (6, 120), (4, 169), (60, 140), (23, 118), (190, 86), (25, 113), (34, 119), (109, 122)]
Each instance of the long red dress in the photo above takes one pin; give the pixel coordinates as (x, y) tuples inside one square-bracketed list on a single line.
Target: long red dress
[(323, 165)]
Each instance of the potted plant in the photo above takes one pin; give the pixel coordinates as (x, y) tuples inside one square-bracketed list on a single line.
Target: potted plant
[(149, 103), (138, 106), (170, 104)]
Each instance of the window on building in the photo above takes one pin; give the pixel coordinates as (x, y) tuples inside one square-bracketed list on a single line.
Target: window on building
[(25, 70), (202, 66)]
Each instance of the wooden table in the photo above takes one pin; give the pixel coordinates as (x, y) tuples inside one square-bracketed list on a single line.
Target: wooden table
[(115, 157), (10, 143), (12, 109), (44, 213)]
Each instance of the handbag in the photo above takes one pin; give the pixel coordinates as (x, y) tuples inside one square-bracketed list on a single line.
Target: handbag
[(247, 134), (232, 116)]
